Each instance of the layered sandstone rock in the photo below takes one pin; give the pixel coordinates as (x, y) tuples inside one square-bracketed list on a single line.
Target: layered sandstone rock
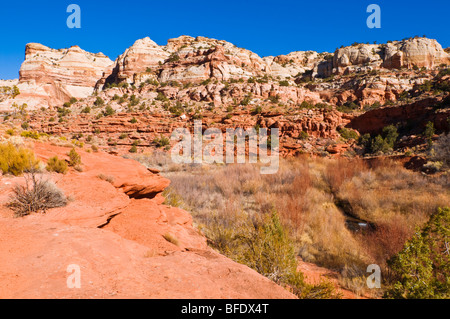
[(143, 54), (414, 52), (50, 77)]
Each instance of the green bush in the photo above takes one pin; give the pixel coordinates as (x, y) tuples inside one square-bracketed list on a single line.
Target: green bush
[(303, 135), (422, 268), (348, 133), (385, 142), (133, 149), (16, 160), (30, 134), (74, 158), (246, 100), (86, 110), (257, 109), (109, 111), (429, 132), (161, 97), (54, 164), (161, 141), (99, 101)]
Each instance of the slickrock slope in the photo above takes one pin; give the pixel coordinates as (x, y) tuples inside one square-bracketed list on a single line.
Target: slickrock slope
[(117, 240)]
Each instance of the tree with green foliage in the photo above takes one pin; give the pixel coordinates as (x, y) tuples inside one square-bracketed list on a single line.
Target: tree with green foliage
[(385, 142), (422, 268), (429, 132)]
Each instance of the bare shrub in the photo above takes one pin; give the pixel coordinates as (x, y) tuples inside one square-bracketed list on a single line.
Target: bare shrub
[(37, 195)]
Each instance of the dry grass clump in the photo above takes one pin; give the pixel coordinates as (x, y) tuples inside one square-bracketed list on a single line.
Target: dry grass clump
[(171, 239), (107, 178)]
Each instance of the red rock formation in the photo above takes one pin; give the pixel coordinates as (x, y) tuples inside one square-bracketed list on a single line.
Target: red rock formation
[(128, 256)]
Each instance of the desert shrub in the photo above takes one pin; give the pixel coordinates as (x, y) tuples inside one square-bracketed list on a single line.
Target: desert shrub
[(161, 97), (123, 136), (133, 120), (86, 110), (108, 111), (348, 107), (136, 142), (16, 160), (173, 58), (274, 99), (54, 164), (441, 150), (422, 268), (246, 100), (306, 105), (30, 134), (348, 133), (257, 109), (133, 149), (74, 158), (303, 135), (35, 196), (284, 83), (99, 101), (161, 141), (429, 132), (177, 109)]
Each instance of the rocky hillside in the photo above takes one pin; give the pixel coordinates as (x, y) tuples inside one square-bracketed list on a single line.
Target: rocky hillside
[(150, 90), (49, 77)]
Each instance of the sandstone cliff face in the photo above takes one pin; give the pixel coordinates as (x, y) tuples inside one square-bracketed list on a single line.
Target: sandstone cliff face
[(415, 52), (51, 77), (143, 54)]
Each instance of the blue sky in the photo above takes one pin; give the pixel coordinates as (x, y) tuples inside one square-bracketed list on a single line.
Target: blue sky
[(264, 27)]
